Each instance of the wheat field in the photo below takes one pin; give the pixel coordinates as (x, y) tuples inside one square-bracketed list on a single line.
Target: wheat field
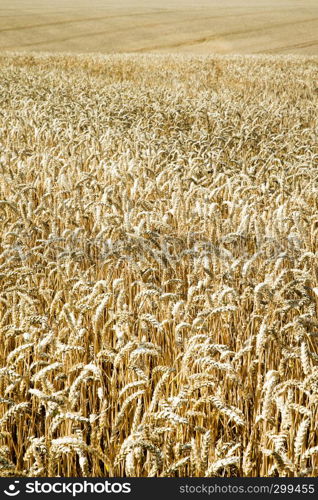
[(158, 264)]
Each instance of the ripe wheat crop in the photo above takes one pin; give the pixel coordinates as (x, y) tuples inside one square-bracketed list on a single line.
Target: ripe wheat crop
[(158, 266)]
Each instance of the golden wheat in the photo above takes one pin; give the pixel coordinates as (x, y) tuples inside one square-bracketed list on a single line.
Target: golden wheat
[(158, 265)]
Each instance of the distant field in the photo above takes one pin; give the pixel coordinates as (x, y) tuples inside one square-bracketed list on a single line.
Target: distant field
[(227, 26)]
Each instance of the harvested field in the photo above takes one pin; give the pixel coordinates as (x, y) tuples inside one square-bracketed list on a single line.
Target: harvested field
[(203, 27)]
